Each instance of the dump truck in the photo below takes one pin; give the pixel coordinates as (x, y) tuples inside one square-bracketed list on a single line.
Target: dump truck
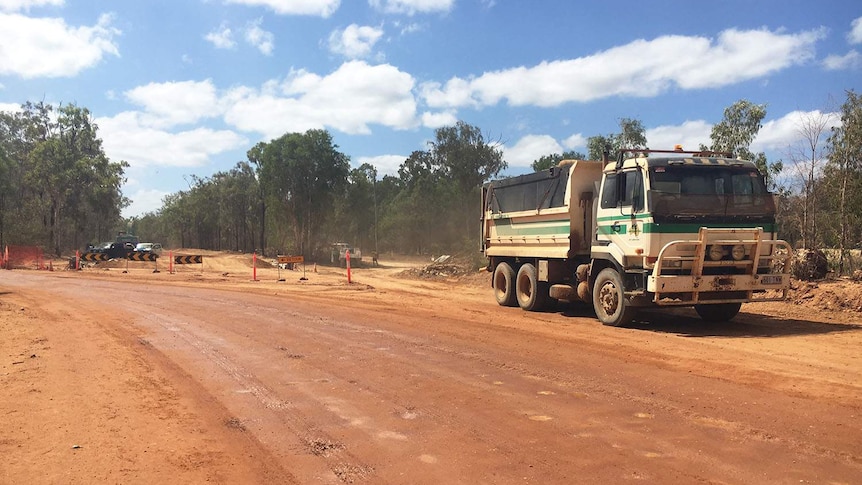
[(660, 228)]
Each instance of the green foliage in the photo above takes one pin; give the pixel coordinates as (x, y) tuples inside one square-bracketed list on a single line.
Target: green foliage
[(632, 135), (547, 161), (59, 189)]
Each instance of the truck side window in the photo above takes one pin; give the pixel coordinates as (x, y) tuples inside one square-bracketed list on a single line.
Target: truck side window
[(609, 192), (631, 193), (633, 190)]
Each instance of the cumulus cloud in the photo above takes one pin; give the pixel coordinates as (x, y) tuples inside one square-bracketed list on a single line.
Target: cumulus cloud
[(690, 134), (48, 47), (354, 41), (642, 68), (855, 34), (439, 120), (530, 148), (173, 103), (851, 60), (10, 108), (317, 8), (780, 133), (412, 7), (26, 5), (349, 100), (575, 141), (143, 201), (129, 136), (261, 39), (385, 164), (221, 38)]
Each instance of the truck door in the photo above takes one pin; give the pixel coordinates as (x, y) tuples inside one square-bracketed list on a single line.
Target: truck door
[(620, 217)]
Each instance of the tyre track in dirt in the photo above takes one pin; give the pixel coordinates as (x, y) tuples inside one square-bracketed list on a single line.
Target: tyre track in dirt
[(488, 394)]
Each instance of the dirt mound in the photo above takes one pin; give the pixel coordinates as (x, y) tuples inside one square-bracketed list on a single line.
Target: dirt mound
[(444, 267), (834, 295)]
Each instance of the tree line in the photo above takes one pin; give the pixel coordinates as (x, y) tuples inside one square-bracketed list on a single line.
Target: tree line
[(296, 194)]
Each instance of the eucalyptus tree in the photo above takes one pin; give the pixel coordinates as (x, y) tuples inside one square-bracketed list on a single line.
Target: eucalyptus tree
[(547, 161), (632, 135), (843, 175), (303, 173), (467, 160)]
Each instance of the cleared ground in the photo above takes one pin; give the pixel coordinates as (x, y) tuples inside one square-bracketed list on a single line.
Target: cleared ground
[(207, 376)]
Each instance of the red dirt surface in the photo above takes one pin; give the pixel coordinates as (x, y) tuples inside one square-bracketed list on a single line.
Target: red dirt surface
[(117, 374)]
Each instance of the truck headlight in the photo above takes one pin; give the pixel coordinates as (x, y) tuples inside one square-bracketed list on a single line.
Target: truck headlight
[(738, 252), (716, 252)]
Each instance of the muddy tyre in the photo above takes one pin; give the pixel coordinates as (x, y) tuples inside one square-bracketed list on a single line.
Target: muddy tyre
[(609, 299), (503, 282), (719, 312), (533, 295)]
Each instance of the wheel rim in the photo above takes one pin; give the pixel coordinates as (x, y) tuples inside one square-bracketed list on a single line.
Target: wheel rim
[(526, 287), (500, 284), (609, 298)]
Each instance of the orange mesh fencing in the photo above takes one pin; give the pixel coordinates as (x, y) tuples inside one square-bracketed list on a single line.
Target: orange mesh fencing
[(23, 257)]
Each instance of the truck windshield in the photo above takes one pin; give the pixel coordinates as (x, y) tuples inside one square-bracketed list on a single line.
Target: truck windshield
[(709, 193)]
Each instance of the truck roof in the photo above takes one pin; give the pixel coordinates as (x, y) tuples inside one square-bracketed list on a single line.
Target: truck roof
[(689, 160)]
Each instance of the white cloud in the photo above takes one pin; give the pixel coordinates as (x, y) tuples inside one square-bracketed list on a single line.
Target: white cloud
[(128, 136), (173, 103), (641, 69), (10, 108), (851, 60), (349, 99), (48, 47), (354, 41), (385, 164), (439, 120), (778, 134), (259, 38), (530, 148), (318, 8), (143, 201), (221, 38), (855, 34), (575, 141), (412, 7), (690, 134), (26, 5)]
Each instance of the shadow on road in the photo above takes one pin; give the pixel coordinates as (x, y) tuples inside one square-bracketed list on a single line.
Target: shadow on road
[(686, 323)]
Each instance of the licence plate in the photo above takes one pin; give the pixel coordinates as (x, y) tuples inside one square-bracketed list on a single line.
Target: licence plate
[(771, 280)]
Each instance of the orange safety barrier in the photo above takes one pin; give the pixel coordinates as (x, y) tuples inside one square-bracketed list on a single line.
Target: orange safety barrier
[(23, 257)]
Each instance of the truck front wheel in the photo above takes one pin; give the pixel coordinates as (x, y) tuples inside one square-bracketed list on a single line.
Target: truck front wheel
[(719, 312), (609, 299), (503, 282), (533, 295)]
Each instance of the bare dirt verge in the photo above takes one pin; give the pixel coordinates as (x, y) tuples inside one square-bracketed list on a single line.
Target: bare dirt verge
[(411, 374)]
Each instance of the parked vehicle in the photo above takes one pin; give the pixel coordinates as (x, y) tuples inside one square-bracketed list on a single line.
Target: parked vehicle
[(338, 254), (149, 247), (692, 229)]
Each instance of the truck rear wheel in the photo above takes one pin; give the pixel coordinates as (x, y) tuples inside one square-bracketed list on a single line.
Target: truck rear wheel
[(609, 299), (719, 312), (533, 295), (503, 282)]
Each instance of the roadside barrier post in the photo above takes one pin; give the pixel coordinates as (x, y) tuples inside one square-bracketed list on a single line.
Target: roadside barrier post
[(77, 260), (171, 262), (347, 256), (254, 266)]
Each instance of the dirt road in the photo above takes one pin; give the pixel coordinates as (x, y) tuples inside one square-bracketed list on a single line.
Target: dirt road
[(213, 378)]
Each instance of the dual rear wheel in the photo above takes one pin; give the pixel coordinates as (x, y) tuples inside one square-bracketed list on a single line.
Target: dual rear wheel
[(522, 288)]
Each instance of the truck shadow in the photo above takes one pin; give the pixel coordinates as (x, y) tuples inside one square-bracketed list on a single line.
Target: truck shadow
[(686, 323)]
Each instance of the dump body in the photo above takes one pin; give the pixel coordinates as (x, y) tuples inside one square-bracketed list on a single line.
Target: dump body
[(648, 231)]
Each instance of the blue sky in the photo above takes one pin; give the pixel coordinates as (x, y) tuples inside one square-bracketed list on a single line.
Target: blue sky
[(182, 88)]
